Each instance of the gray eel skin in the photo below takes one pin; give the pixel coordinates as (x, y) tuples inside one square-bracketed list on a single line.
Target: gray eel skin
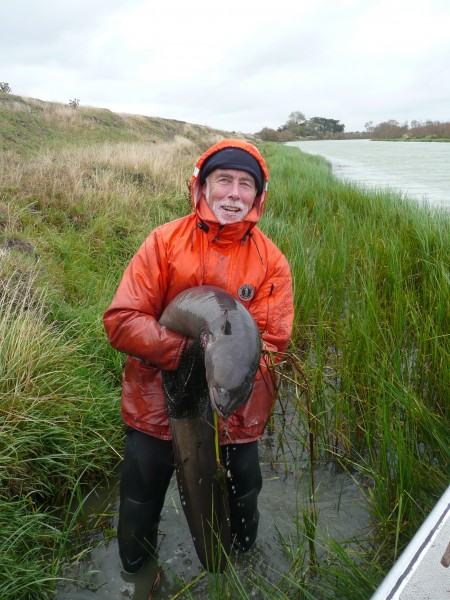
[(217, 374)]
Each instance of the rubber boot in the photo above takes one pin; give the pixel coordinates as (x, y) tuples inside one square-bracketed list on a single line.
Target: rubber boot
[(137, 534), (244, 520)]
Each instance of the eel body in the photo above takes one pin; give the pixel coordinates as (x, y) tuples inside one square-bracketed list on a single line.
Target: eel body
[(217, 374)]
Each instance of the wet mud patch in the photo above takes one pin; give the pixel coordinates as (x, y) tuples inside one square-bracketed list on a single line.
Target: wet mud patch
[(284, 499)]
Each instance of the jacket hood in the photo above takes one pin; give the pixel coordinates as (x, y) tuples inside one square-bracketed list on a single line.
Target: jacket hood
[(196, 187)]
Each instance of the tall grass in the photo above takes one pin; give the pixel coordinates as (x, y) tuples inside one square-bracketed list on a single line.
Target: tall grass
[(369, 375), (69, 222), (55, 424), (372, 297)]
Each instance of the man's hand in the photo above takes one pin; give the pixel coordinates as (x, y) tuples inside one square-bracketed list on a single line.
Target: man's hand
[(189, 343)]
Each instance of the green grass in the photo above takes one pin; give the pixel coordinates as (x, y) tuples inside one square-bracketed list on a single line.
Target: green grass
[(367, 373), (372, 296)]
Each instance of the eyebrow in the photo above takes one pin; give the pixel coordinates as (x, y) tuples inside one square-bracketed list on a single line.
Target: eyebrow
[(245, 176)]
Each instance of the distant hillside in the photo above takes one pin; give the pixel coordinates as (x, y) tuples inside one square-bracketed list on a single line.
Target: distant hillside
[(28, 124)]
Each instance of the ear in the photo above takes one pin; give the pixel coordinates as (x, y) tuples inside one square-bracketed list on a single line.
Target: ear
[(205, 188)]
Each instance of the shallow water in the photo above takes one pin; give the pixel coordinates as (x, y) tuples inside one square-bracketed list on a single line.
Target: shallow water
[(341, 515), (420, 170)]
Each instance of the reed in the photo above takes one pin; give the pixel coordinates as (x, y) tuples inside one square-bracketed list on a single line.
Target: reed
[(366, 380), (372, 297)]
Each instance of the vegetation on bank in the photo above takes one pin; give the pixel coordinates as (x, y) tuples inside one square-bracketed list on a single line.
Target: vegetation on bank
[(429, 131), (71, 217), (368, 369), (28, 125), (298, 127)]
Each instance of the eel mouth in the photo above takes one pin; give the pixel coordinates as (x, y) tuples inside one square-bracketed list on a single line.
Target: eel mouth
[(224, 402), (220, 401)]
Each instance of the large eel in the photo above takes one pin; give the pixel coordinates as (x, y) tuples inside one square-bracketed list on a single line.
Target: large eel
[(215, 374)]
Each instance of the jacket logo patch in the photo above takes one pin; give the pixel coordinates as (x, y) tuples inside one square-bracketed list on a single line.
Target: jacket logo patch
[(246, 292)]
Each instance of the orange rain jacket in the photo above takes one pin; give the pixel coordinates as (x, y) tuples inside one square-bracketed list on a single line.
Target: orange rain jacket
[(190, 251)]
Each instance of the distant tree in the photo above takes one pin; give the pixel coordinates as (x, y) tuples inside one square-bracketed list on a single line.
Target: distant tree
[(285, 136), (442, 129), (369, 127), (389, 130), (294, 127), (296, 118), (430, 129), (5, 87), (298, 126), (323, 126), (269, 135), (74, 103), (392, 129)]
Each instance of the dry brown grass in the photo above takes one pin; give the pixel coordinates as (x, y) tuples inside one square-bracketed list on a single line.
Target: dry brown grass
[(95, 178)]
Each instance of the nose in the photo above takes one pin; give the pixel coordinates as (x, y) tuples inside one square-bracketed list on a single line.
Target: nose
[(234, 188)]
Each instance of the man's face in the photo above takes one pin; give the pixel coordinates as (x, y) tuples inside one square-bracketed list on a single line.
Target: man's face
[(230, 194)]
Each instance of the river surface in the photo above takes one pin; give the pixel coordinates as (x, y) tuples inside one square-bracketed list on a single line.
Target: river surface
[(419, 170), (96, 574)]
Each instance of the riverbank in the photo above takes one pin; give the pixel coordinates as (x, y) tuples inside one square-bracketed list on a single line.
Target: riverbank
[(411, 139), (370, 348)]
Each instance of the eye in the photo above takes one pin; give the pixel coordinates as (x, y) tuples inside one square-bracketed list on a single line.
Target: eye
[(248, 186)]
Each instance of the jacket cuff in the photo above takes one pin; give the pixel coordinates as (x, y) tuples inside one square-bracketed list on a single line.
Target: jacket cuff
[(177, 356)]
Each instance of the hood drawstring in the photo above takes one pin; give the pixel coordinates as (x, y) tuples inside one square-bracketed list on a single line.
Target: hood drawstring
[(204, 227), (216, 237), (200, 225), (256, 246), (247, 234)]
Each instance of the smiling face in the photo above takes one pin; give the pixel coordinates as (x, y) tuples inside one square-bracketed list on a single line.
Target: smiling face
[(230, 194)]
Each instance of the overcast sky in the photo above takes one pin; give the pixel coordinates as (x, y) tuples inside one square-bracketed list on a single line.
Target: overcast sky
[(238, 65)]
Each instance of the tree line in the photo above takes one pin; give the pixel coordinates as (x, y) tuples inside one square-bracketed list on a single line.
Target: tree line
[(298, 127), (393, 130)]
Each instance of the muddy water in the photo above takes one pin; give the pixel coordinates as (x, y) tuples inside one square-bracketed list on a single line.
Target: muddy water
[(421, 171), (285, 490)]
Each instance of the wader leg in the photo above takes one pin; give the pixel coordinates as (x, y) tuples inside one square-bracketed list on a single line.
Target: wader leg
[(146, 473), (137, 533), (244, 486), (244, 520)]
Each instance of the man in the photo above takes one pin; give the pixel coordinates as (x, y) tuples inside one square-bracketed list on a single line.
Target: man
[(218, 244)]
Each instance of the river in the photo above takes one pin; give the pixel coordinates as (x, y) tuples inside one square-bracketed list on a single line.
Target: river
[(419, 170)]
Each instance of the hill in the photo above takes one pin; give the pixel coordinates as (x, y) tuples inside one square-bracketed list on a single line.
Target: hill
[(28, 124)]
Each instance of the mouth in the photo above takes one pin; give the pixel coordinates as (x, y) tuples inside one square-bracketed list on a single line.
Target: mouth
[(219, 399), (231, 209)]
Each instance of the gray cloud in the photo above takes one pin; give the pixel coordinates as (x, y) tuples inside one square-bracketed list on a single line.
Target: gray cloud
[(248, 67)]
